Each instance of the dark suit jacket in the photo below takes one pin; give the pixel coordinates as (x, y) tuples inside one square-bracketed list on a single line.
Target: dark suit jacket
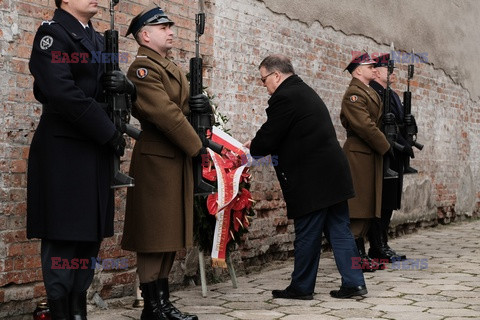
[(68, 194), (312, 168)]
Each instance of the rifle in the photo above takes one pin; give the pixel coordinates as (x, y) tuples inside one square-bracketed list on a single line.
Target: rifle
[(409, 120), (390, 128), (119, 104), (201, 120)]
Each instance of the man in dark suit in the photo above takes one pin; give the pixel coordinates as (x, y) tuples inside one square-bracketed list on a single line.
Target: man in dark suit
[(392, 188), (314, 176), (70, 205)]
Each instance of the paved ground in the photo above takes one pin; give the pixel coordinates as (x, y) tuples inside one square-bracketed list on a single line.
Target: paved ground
[(448, 288)]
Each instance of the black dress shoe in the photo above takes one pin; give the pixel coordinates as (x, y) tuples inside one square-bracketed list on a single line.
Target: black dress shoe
[(348, 292), (285, 294)]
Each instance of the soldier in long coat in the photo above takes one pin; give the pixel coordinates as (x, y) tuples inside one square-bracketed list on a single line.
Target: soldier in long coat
[(159, 213), (70, 205), (392, 188), (365, 146)]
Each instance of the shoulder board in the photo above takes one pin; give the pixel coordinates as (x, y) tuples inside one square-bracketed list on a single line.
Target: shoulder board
[(49, 22), (142, 57)]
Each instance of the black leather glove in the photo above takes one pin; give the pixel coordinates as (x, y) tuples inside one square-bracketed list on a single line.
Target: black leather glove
[(200, 104), (116, 81), (407, 149), (118, 143)]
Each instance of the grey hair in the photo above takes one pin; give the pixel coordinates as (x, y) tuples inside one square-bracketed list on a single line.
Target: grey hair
[(278, 62)]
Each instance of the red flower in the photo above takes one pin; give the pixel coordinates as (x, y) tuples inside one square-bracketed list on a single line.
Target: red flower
[(209, 173), (212, 204), (242, 201)]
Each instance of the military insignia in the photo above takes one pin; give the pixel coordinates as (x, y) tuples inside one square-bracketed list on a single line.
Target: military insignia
[(353, 98), (46, 42), (142, 73), (49, 22)]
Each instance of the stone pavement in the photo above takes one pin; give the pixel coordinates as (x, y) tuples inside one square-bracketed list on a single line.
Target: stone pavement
[(447, 288)]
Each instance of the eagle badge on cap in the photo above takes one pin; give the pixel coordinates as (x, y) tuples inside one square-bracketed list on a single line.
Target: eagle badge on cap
[(142, 73), (353, 98)]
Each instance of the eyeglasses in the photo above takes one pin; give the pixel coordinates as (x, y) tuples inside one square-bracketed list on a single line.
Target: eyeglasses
[(265, 78)]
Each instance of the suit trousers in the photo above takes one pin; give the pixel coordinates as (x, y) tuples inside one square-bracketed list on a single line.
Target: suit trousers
[(335, 222), (67, 266)]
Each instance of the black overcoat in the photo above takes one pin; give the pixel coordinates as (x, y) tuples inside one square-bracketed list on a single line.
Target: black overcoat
[(312, 169), (392, 188), (68, 194)]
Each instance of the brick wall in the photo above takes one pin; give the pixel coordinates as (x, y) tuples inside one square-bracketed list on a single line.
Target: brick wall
[(238, 35)]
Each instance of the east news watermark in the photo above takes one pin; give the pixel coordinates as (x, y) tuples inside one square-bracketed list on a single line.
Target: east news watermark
[(89, 57), (396, 56), (407, 264), (92, 263)]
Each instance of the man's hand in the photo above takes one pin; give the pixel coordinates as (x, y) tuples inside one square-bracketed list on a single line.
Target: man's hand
[(247, 144), (117, 143), (116, 81), (200, 104)]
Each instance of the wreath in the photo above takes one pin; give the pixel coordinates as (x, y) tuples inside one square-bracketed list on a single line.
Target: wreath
[(206, 207)]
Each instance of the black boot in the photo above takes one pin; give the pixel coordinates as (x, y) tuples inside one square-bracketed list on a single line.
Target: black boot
[(78, 306), (151, 307), (167, 307), (393, 256), (367, 264), (375, 237), (59, 308)]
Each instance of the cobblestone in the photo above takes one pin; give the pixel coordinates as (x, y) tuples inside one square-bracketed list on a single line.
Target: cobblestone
[(448, 289)]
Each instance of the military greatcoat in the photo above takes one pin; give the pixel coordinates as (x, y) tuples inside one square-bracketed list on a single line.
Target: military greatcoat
[(69, 195), (159, 213), (365, 146)]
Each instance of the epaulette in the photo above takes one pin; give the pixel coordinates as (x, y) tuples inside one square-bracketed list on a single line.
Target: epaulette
[(49, 22), (141, 57)]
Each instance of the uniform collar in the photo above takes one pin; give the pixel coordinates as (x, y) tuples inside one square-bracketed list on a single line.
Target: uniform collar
[(70, 23), (166, 63)]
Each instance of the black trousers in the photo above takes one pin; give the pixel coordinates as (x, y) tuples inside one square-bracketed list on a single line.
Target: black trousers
[(67, 266)]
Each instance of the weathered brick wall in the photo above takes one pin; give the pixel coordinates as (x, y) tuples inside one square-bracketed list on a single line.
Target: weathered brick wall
[(239, 34), (449, 121)]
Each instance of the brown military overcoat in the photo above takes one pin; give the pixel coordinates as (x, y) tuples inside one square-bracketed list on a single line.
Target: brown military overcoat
[(159, 210), (365, 145)]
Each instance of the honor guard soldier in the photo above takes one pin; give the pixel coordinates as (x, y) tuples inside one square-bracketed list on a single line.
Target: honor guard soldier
[(392, 188), (360, 115), (70, 205), (159, 213)]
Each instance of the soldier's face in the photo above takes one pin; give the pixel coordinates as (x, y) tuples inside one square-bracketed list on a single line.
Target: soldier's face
[(83, 10), (158, 37), (382, 76), (367, 72)]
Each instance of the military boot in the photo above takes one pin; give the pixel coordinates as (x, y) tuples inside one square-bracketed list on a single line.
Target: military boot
[(78, 306), (151, 308), (377, 250), (368, 265), (166, 306), (393, 256), (59, 308)]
